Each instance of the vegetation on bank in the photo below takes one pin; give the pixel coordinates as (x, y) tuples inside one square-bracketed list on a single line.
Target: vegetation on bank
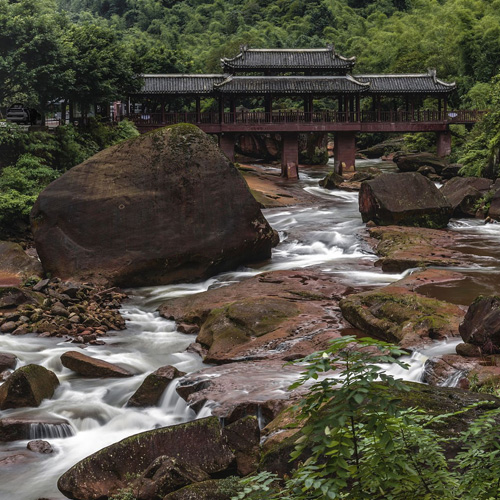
[(358, 441)]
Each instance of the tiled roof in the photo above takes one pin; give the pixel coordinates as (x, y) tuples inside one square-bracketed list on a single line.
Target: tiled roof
[(288, 59), (258, 85), (426, 83), (180, 84)]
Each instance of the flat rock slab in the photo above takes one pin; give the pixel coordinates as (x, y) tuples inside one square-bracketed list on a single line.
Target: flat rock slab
[(104, 473), (276, 315), (163, 207), (92, 367), (401, 248)]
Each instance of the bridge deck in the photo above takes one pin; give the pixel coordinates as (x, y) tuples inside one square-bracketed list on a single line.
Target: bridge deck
[(299, 121)]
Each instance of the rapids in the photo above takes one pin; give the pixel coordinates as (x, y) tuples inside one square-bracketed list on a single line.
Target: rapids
[(325, 236)]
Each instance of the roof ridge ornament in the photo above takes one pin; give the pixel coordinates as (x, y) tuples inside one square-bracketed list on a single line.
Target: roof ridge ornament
[(432, 72)]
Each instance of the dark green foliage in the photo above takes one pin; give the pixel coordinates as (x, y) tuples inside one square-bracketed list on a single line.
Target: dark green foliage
[(357, 443)]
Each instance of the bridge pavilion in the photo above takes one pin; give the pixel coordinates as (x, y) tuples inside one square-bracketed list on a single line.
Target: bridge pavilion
[(326, 95)]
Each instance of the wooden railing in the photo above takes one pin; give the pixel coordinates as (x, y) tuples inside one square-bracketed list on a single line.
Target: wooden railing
[(294, 116)]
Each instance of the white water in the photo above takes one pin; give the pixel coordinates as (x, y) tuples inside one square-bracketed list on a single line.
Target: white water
[(324, 236)]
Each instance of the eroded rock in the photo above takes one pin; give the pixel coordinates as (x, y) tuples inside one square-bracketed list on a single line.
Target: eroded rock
[(464, 194)]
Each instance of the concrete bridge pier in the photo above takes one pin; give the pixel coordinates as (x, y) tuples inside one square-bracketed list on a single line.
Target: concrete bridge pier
[(290, 155), (444, 143), (226, 143), (344, 151)]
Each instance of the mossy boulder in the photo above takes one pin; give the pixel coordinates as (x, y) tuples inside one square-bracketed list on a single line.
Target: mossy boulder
[(199, 443), (407, 199), (411, 162), (398, 315), (28, 386), (163, 207), (239, 322), (214, 489), (465, 194), (151, 390)]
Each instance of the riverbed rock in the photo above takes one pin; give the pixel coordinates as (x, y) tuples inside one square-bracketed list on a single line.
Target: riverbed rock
[(28, 386), (464, 194), (151, 390), (92, 367), (396, 314), (11, 297), (235, 390), (27, 427), (199, 443), (162, 207), (494, 210), (243, 437), (401, 248), (40, 446), (7, 361), (275, 315), (407, 199), (481, 325), (411, 162), (16, 265)]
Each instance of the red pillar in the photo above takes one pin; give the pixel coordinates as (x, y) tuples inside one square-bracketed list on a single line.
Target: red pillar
[(345, 151), (444, 143), (290, 156), (226, 143)]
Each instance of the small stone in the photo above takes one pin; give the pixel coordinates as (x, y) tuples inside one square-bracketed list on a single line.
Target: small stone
[(75, 319), (8, 327), (41, 285), (7, 361), (21, 330), (40, 446)]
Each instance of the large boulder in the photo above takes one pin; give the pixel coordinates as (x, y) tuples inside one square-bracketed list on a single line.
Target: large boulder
[(27, 386), (411, 162), (162, 207), (408, 199), (465, 193), (151, 390), (92, 367), (384, 148), (481, 325), (104, 473)]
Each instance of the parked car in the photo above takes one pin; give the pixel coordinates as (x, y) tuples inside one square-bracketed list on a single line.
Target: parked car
[(18, 113)]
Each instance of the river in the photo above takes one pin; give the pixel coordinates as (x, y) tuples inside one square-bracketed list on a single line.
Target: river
[(325, 236)]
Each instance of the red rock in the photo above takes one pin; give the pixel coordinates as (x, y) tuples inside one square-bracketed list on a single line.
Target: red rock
[(92, 367)]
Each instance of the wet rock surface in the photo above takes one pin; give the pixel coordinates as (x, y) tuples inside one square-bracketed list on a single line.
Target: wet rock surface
[(88, 366), (21, 427), (180, 205), (27, 386), (407, 199), (307, 316), (40, 446), (401, 248)]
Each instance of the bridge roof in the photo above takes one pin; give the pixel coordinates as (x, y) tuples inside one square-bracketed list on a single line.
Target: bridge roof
[(178, 84), (258, 85), (287, 59), (426, 83)]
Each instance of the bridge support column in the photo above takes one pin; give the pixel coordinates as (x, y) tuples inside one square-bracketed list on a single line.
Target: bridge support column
[(290, 156), (226, 143), (444, 143), (345, 151)]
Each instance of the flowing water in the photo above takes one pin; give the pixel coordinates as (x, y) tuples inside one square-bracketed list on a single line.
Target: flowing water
[(325, 235)]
